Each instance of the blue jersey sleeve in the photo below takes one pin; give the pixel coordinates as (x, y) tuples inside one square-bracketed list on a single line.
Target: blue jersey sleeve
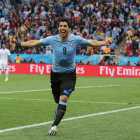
[(81, 41), (46, 41)]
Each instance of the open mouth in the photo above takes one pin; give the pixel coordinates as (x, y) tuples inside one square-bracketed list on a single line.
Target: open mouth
[(63, 32)]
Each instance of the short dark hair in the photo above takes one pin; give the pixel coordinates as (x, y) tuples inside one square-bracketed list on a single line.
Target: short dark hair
[(65, 20)]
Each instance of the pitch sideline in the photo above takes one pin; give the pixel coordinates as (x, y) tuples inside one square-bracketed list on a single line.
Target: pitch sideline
[(50, 89), (72, 101), (68, 119)]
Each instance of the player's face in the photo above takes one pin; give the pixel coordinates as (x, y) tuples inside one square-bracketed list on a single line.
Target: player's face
[(3, 46), (63, 29)]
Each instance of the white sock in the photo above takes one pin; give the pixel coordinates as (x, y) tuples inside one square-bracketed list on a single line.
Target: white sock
[(6, 73)]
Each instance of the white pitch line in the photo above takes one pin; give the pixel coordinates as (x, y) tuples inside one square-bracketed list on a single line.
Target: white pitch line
[(99, 86), (26, 99), (68, 119), (73, 101), (98, 102), (24, 91), (50, 89)]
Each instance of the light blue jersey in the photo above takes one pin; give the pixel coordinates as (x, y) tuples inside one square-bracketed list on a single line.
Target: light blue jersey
[(64, 51)]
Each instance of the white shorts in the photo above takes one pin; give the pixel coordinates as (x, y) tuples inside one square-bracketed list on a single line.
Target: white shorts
[(3, 65)]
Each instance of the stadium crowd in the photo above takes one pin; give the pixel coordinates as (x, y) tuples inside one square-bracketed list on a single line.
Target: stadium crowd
[(92, 19)]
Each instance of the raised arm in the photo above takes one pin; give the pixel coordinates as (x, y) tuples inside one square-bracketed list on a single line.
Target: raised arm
[(95, 43), (92, 42), (31, 43)]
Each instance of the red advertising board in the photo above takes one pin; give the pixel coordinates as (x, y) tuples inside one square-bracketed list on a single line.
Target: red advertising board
[(81, 70)]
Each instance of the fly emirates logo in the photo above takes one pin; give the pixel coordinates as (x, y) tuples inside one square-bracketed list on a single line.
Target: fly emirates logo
[(41, 69), (119, 71), (46, 69)]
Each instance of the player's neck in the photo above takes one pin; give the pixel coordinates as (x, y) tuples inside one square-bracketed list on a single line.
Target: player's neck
[(64, 38)]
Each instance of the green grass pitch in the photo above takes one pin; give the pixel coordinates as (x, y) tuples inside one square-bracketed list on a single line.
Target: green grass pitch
[(25, 101)]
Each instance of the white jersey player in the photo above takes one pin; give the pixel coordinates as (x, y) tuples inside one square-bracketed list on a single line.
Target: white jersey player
[(4, 60)]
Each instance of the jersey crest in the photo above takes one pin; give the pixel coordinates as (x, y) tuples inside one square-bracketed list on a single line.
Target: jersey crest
[(73, 44)]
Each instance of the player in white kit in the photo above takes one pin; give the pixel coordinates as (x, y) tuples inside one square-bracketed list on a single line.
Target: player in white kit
[(4, 60)]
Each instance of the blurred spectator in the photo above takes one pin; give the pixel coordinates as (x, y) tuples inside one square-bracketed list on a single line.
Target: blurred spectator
[(107, 53), (49, 49), (138, 52), (128, 63), (115, 64), (137, 34), (135, 45), (130, 53), (102, 49), (41, 62), (138, 19), (29, 51), (81, 62), (31, 61), (108, 63), (25, 60), (113, 47), (128, 44), (90, 51), (83, 51), (34, 51), (18, 59), (138, 64), (102, 62), (129, 33), (44, 51), (88, 63)]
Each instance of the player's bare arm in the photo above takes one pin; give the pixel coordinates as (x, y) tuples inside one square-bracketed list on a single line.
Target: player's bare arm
[(95, 43), (31, 43)]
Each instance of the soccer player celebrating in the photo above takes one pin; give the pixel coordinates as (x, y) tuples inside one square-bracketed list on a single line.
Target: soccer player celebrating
[(63, 74), (4, 60)]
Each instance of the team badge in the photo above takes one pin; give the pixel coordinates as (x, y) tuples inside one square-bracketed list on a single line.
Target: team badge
[(73, 44)]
